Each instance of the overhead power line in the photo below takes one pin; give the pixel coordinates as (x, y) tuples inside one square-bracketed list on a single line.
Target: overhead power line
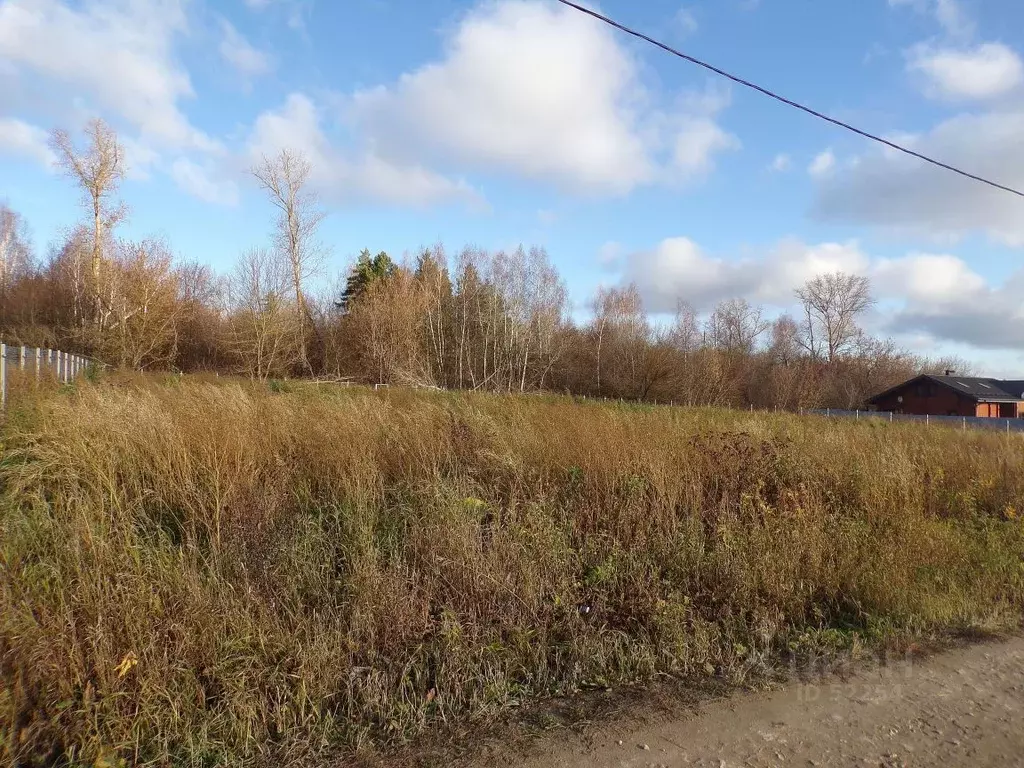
[(789, 102)]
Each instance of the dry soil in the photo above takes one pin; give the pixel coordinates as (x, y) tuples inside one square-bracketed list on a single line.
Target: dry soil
[(964, 707)]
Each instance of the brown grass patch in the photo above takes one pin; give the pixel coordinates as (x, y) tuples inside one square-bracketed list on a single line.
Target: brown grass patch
[(215, 573)]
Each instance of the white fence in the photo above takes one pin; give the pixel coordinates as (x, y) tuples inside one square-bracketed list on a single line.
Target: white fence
[(65, 366)]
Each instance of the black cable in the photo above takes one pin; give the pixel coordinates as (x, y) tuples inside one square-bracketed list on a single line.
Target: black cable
[(784, 100)]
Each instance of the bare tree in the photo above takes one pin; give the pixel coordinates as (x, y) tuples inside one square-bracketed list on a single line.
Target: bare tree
[(787, 378), (508, 309), (735, 326), (944, 363), (868, 366), (622, 333), (98, 169), (832, 303), (785, 344), (68, 266), (547, 311), (602, 306), (285, 178), (532, 298), (202, 294), (684, 333), (468, 287), (263, 323), (141, 306), (432, 275), (15, 253)]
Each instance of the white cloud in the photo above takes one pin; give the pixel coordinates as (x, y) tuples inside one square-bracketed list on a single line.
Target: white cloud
[(544, 92), (892, 190), (352, 176), (934, 298), (949, 302), (523, 87), (247, 60), (380, 179), (697, 142), (139, 158), (678, 268), (20, 138), (927, 277), (296, 125), (200, 182), (982, 72), (686, 21), (953, 18), (609, 254), (296, 10), (941, 299), (117, 54), (781, 163), (950, 15), (889, 189), (822, 164)]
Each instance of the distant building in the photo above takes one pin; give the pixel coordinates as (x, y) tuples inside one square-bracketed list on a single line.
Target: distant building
[(952, 395)]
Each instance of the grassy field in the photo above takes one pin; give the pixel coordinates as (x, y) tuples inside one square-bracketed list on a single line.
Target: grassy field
[(215, 573)]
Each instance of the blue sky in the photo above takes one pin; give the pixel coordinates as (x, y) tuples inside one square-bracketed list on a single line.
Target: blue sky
[(496, 123)]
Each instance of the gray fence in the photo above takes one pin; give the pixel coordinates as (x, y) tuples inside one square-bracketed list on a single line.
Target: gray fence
[(963, 422), (64, 366)]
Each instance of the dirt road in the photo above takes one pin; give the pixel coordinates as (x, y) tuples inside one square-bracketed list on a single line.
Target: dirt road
[(964, 707)]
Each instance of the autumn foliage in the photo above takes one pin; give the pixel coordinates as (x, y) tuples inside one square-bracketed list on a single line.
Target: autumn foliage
[(481, 320)]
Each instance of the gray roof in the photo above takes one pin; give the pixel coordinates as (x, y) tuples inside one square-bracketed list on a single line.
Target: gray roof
[(979, 388), (976, 388), (1013, 387)]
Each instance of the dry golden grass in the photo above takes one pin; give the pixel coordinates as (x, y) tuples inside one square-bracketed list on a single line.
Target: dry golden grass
[(214, 573)]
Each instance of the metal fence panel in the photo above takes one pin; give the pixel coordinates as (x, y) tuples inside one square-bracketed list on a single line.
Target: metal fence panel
[(64, 366), (964, 422)]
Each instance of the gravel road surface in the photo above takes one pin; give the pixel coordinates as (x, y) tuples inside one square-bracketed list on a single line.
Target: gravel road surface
[(964, 707)]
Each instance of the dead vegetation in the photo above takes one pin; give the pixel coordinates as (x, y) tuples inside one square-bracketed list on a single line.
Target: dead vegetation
[(208, 573)]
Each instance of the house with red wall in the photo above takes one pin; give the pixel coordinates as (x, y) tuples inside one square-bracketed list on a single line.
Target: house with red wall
[(953, 395)]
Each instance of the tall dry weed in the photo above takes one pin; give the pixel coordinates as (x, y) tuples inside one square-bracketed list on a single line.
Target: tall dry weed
[(212, 574)]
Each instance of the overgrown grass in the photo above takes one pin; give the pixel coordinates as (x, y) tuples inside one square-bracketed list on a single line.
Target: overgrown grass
[(209, 574)]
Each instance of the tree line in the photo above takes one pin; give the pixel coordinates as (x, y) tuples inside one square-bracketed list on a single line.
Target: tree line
[(477, 319)]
